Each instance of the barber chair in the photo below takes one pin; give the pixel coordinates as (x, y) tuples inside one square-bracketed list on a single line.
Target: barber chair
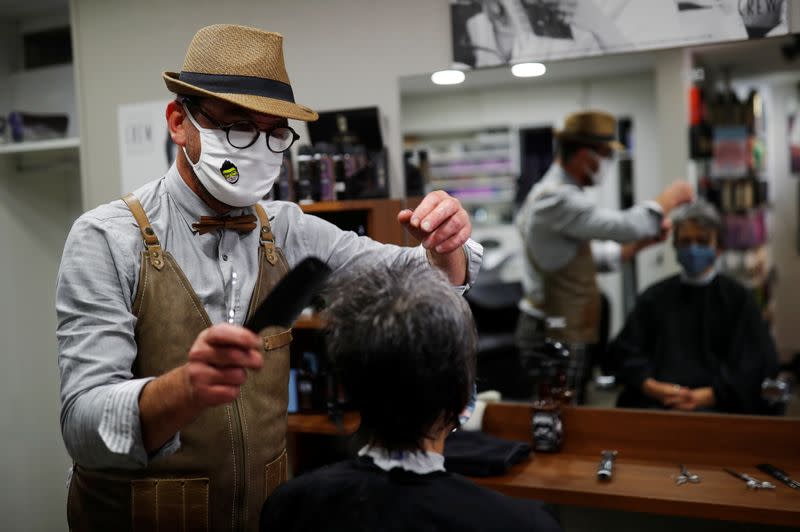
[(494, 301), (575, 363), (494, 306)]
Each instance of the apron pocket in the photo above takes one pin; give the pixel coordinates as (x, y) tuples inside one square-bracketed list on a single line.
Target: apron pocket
[(275, 474), (169, 504)]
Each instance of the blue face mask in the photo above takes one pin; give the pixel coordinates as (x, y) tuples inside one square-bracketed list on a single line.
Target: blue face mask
[(696, 259), (470, 408)]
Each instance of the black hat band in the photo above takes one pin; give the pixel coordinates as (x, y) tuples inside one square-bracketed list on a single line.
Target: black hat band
[(600, 139), (250, 85)]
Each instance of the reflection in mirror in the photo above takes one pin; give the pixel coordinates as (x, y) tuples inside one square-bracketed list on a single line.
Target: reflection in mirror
[(690, 319)]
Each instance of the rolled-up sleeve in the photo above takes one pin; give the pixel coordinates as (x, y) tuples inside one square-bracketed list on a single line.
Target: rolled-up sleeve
[(571, 213), (99, 396), (474, 252)]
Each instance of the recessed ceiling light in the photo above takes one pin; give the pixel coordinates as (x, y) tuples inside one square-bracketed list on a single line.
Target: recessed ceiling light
[(528, 70), (448, 77)]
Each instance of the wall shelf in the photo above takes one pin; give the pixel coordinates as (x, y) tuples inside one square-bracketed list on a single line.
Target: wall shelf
[(477, 166), (40, 145), (380, 216)]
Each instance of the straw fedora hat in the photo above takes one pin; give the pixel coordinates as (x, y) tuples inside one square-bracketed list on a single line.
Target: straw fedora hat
[(240, 65), (591, 127)]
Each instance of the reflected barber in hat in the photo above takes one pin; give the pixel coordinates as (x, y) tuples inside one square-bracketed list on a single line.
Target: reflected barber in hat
[(568, 238), (173, 413)]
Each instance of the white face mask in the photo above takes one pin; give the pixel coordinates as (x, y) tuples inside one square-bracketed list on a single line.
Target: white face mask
[(236, 177), (604, 165)]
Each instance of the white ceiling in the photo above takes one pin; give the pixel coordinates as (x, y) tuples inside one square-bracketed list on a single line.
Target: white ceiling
[(742, 59), (556, 71)]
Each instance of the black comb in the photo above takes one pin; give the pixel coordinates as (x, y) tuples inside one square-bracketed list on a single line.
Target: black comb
[(290, 296)]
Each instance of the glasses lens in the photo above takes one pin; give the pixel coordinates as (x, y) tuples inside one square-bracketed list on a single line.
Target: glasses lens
[(280, 139), (242, 134)]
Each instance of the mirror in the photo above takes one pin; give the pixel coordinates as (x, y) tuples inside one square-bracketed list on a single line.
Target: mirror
[(490, 139)]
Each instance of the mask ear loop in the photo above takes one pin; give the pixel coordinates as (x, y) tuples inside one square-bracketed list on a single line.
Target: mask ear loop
[(199, 129), (191, 117)]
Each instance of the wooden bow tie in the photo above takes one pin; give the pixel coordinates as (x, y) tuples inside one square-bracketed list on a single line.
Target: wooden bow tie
[(242, 224)]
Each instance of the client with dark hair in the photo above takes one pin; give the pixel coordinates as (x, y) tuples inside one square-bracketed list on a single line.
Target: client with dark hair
[(404, 343)]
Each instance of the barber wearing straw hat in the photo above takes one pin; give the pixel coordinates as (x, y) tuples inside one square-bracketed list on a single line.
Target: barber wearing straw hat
[(567, 238), (173, 413)]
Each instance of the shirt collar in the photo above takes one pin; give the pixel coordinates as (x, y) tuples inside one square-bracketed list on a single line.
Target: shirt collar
[(562, 175), (190, 206), (703, 280), (419, 462)]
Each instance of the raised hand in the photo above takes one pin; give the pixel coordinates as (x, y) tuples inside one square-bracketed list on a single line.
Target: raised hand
[(439, 222)]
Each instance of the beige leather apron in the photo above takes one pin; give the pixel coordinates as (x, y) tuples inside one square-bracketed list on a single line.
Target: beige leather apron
[(571, 293), (232, 456)]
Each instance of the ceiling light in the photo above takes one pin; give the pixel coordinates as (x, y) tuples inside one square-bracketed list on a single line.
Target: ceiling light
[(528, 70), (447, 77)]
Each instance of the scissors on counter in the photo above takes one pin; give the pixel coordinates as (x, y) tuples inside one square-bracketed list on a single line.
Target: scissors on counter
[(752, 483), (686, 476)]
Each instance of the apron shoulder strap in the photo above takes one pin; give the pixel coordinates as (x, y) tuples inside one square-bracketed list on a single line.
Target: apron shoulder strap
[(267, 239), (151, 243)]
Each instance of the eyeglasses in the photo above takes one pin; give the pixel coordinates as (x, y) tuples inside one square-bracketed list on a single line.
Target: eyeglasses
[(244, 133)]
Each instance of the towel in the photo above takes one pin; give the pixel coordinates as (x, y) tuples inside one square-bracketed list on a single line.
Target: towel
[(477, 454)]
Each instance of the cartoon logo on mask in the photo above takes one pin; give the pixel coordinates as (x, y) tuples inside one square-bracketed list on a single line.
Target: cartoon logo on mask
[(229, 172)]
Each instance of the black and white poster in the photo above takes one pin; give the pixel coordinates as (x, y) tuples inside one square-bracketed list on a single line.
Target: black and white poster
[(498, 32)]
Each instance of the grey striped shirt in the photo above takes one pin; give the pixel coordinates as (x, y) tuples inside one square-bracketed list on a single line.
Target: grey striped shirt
[(97, 282)]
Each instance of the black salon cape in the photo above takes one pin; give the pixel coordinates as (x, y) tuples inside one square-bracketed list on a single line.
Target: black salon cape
[(696, 336), (355, 496)]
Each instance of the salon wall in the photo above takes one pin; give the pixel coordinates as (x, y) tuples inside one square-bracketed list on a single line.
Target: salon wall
[(39, 198), (782, 97), (6, 48), (37, 207)]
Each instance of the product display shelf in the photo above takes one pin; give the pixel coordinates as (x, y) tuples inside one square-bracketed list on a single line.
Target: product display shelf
[(728, 148), (476, 166), (12, 148)]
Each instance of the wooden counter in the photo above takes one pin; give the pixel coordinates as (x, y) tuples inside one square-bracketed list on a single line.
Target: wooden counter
[(320, 424), (650, 445)]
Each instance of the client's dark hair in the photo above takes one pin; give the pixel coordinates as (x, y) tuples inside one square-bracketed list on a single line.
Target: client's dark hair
[(403, 342)]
